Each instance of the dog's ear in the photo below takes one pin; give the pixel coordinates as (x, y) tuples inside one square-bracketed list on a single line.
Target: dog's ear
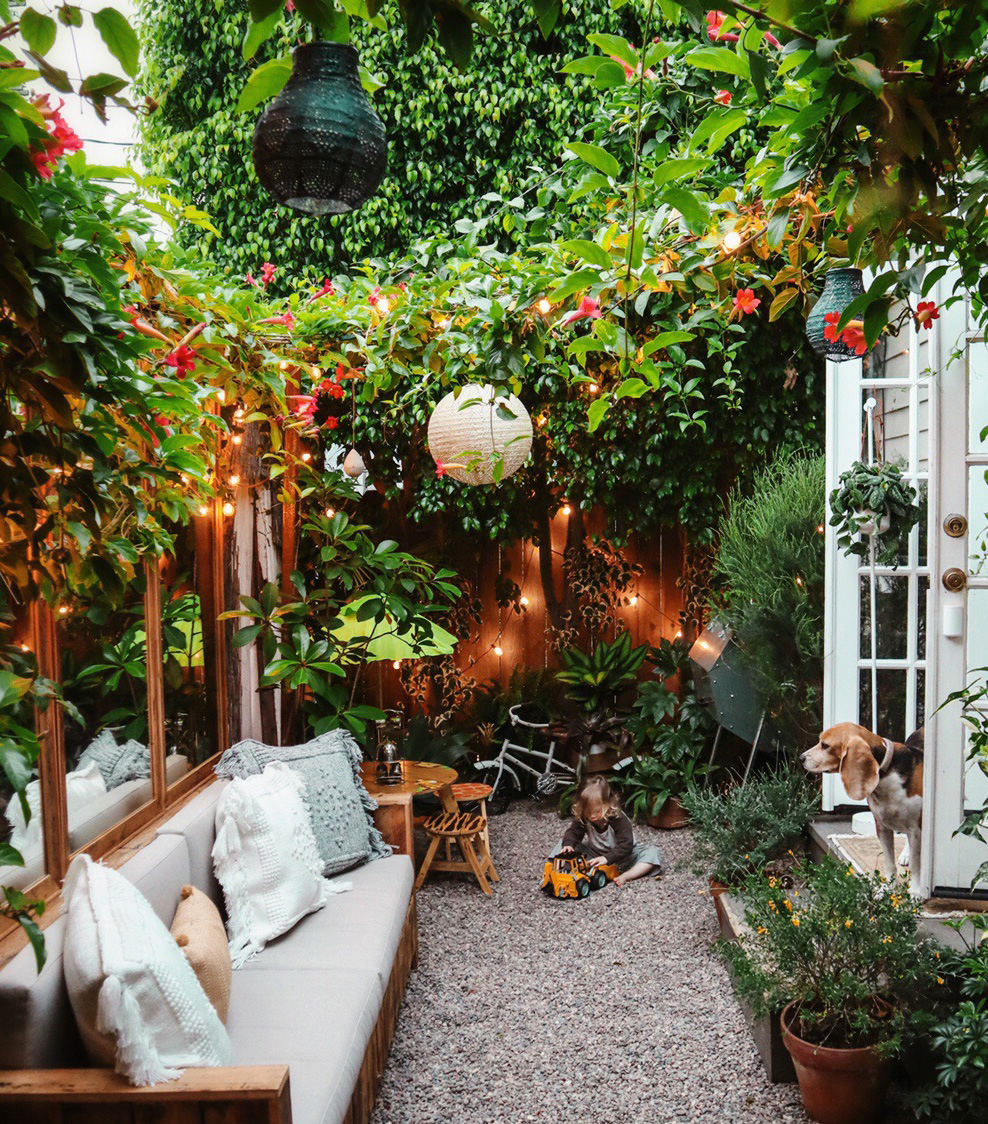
[(859, 769)]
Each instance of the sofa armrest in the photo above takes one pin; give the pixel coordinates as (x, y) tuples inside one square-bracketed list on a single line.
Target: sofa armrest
[(259, 1093)]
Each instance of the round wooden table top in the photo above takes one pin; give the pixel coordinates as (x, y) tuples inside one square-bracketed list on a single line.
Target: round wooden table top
[(418, 778)]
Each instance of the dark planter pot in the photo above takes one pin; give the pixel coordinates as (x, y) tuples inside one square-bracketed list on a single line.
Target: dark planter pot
[(319, 147), (837, 1086), (840, 287), (672, 816)]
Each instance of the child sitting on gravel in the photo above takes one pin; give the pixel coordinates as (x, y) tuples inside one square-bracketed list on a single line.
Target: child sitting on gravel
[(603, 833)]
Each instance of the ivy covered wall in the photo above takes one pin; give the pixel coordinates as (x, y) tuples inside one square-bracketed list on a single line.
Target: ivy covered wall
[(454, 137)]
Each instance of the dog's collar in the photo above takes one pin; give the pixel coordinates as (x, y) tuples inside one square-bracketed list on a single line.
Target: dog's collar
[(887, 759)]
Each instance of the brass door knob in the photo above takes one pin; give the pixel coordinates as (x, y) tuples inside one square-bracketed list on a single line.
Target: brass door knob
[(955, 526), (954, 580)]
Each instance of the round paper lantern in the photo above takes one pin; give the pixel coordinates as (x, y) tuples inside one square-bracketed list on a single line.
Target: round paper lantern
[(840, 287), (472, 429), (319, 147)]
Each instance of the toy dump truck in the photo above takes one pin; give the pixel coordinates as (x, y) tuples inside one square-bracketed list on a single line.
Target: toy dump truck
[(567, 875)]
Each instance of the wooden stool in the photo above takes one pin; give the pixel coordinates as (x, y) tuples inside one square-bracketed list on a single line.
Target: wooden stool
[(473, 792), (466, 830)]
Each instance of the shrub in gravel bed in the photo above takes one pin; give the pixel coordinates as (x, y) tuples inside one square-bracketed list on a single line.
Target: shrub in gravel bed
[(738, 832)]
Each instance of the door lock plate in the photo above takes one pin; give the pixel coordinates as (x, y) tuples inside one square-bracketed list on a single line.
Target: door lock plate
[(954, 580), (955, 526)]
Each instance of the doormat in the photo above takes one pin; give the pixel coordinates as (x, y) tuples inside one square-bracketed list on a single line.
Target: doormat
[(864, 852)]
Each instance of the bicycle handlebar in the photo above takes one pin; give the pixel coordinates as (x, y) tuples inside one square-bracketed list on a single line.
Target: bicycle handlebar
[(517, 721)]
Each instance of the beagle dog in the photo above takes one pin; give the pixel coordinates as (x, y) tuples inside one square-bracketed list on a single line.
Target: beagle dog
[(889, 775)]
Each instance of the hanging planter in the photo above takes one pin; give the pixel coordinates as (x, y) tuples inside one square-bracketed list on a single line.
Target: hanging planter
[(319, 147), (479, 436), (874, 502), (840, 288), (353, 464)]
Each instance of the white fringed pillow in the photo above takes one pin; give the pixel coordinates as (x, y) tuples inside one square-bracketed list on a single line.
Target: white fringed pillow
[(135, 997), (266, 859)]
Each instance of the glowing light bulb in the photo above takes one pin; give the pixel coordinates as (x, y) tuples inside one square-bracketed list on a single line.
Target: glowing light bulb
[(317, 372), (307, 457), (203, 509), (633, 600), (283, 365), (566, 509), (396, 665), (238, 413), (732, 240), (183, 478), (525, 601), (679, 634), (234, 480), (498, 650), (544, 306), (330, 512), (25, 648), (819, 528), (221, 394), (799, 581), (63, 609), (237, 439), (228, 508), (594, 388)]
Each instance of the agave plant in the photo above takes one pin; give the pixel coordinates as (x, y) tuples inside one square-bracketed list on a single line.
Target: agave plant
[(595, 678)]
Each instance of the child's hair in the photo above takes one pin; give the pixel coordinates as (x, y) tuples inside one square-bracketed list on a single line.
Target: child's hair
[(597, 793)]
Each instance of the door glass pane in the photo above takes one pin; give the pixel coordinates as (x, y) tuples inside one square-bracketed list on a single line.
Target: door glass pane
[(190, 734), (923, 427), (920, 698), (977, 518), (922, 593), (891, 617), (922, 531), (891, 702), (977, 396), (103, 648), (892, 422)]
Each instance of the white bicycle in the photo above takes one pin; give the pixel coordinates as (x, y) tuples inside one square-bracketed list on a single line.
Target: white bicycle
[(502, 772)]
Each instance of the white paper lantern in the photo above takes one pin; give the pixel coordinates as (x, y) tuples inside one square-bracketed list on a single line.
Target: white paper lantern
[(469, 435)]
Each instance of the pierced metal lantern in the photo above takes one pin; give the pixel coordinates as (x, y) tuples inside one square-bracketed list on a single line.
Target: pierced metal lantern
[(319, 147), (840, 287)]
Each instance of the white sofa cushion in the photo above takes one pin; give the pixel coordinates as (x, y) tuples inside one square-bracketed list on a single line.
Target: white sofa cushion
[(319, 1021), (83, 787), (136, 999), (266, 860)]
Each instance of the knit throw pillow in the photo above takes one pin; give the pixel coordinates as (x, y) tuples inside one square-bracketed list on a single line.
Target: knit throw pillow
[(339, 805), (198, 931), (117, 762), (266, 860), (135, 997)]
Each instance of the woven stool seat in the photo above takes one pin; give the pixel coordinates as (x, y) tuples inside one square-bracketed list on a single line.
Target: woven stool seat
[(454, 823)]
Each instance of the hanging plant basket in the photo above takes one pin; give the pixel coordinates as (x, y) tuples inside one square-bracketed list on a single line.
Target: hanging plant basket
[(479, 436), (874, 502), (840, 288), (319, 147)]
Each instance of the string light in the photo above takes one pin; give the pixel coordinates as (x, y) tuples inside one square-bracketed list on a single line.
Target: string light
[(317, 372), (238, 439), (819, 528), (234, 480), (594, 388), (544, 306), (330, 512), (567, 509), (396, 664), (25, 648), (498, 650), (525, 602), (679, 634), (183, 478), (283, 365), (732, 240), (307, 457), (63, 609), (221, 394), (799, 580), (238, 413), (203, 509), (228, 508), (633, 600)]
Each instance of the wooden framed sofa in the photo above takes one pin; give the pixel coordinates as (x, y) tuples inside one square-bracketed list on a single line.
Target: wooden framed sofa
[(311, 1017)]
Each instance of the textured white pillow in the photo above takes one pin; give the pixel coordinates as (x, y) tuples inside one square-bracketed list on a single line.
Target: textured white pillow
[(136, 999), (82, 786), (266, 859)]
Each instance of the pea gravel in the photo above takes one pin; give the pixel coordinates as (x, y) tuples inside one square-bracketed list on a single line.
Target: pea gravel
[(612, 1010)]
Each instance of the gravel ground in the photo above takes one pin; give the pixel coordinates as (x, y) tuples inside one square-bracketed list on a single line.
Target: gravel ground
[(612, 1010)]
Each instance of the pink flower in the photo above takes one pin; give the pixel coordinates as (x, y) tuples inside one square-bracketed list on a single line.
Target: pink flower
[(285, 319), (830, 327), (250, 279), (327, 290), (629, 73), (183, 359), (589, 310), (926, 313), (723, 97), (289, 5), (61, 138), (267, 272), (714, 22), (440, 468), (852, 336), (745, 302)]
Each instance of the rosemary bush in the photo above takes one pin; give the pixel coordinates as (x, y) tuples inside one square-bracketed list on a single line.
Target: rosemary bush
[(738, 832), (842, 946)]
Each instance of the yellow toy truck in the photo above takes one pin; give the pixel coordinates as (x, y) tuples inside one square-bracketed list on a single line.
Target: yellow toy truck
[(567, 875)]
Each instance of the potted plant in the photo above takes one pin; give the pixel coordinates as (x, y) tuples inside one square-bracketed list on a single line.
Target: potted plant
[(839, 954), (874, 501), (741, 831), (657, 779)]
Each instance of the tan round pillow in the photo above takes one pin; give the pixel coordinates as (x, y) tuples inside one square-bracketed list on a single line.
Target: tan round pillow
[(198, 930)]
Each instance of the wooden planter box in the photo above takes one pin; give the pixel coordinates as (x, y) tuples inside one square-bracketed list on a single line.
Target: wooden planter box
[(766, 1032)]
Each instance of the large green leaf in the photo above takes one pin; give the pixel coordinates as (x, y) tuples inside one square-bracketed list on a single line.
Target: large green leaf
[(258, 32), (38, 30), (119, 37), (265, 82), (718, 59), (596, 157)]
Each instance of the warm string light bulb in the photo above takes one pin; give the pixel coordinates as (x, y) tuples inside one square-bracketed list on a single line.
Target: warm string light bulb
[(221, 394), (396, 664), (819, 528), (567, 510), (633, 600), (317, 372), (203, 509), (498, 650), (307, 457), (25, 648), (283, 365), (234, 480), (594, 388), (330, 512), (63, 609), (238, 414), (732, 240), (525, 602), (544, 306), (237, 439), (228, 508)]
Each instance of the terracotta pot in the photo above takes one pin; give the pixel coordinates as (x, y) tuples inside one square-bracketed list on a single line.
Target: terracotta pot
[(672, 815), (838, 1086)]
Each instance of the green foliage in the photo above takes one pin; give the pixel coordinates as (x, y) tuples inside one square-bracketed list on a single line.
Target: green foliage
[(454, 136), (770, 567), (869, 495), (973, 699), (837, 944), (953, 1032), (594, 679), (739, 831), (422, 742), (671, 766)]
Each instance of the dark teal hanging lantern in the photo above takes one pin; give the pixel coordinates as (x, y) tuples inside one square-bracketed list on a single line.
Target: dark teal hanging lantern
[(840, 288), (319, 147)]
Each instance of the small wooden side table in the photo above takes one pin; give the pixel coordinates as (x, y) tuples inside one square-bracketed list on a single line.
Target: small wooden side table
[(393, 818)]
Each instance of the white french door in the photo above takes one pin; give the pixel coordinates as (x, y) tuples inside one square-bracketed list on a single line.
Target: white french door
[(958, 601)]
